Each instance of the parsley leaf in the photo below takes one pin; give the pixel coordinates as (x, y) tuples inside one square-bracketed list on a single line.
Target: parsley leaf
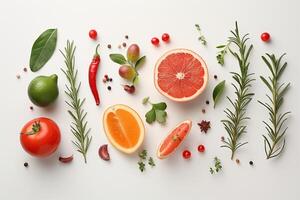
[(157, 112)]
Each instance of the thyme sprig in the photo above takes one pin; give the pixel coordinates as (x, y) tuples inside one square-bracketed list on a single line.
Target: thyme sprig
[(236, 116), (79, 124), (222, 52), (201, 37), (274, 140)]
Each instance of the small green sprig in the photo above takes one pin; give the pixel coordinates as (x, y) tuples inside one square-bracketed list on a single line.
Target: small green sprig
[(223, 49), (217, 166), (151, 162), (143, 154), (201, 37), (274, 140), (142, 166), (157, 112)]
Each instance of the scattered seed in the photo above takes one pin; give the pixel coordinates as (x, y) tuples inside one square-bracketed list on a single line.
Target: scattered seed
[(237, 161), (124, 44), (119, 46), (110, 79), (31, 107), (207, 102), (203, 111), (222, 138), (104, 80), (126, 37), (25, 69), (251, 163), (109, 46), (215, 77), (108, 87), (26, 164), (18, 76)]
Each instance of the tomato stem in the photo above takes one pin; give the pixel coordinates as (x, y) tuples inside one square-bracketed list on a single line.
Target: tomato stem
[(36, 127)]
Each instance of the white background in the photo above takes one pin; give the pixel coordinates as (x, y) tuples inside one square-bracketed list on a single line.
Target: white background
[(174, 178)]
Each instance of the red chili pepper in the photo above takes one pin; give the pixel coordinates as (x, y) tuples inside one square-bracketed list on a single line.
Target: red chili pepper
[(93, 75)]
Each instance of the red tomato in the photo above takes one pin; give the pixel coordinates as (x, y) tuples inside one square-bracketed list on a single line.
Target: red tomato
[(40, 137)]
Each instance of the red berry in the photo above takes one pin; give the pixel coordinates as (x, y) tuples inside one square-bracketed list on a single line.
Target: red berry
[(155, 41), (265, 37), (186, 154), (201, 148), (165, 37), (93, 34)]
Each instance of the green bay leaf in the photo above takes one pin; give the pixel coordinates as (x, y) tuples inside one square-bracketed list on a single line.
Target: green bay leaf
[(218, 91), (42, 49)]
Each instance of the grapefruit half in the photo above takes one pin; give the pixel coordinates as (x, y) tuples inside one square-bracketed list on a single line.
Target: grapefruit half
[(174, 139), (181, 75), (123, 128)]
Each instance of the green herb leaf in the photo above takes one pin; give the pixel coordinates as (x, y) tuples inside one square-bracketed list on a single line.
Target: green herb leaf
[(201, 37), (218, 91), (161, 116), (150, 116), (140, 61), (118, 58), (160, 106), (145, 100), (42, 49)]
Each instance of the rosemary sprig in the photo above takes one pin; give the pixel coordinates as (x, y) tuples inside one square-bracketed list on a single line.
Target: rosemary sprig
[(235, 122), (201, 37), (275, 128), (79, 124)]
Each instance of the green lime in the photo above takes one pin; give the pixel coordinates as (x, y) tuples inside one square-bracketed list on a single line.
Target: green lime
[(43, 90)]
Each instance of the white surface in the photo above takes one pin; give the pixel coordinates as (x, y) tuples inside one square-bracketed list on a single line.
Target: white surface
[(174, 178)]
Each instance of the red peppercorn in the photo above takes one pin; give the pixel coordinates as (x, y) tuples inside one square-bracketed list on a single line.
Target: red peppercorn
[(165, 37), (93, 34), (201, 148), (265, 37), (186, 154), (155, 41)]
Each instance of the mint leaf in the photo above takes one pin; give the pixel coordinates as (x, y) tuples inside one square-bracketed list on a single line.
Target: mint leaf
[(150, 116), (161, 116), (160, 106), (118, 58)]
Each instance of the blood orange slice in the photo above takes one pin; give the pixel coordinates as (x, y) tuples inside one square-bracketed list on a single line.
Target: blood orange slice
[(174, 139), (124, 128), (180, 75)]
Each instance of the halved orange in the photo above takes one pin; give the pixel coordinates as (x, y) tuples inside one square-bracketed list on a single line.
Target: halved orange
[(174, 139), (123, 128)]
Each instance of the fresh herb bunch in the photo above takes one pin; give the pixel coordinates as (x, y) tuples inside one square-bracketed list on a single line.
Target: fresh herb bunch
[(217, 166), (275, 128), (201, 37), (235, 122), (79, 126)]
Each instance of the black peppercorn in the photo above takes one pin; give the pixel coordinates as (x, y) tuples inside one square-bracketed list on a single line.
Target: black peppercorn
[(26, 164), (108, 87), (251, 163)]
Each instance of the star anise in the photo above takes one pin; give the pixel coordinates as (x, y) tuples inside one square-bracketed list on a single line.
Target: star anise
[(204, 126)]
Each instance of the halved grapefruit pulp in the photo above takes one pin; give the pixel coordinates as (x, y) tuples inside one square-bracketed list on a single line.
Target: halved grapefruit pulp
[(180, 75), (174, 139), (124, 128)]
